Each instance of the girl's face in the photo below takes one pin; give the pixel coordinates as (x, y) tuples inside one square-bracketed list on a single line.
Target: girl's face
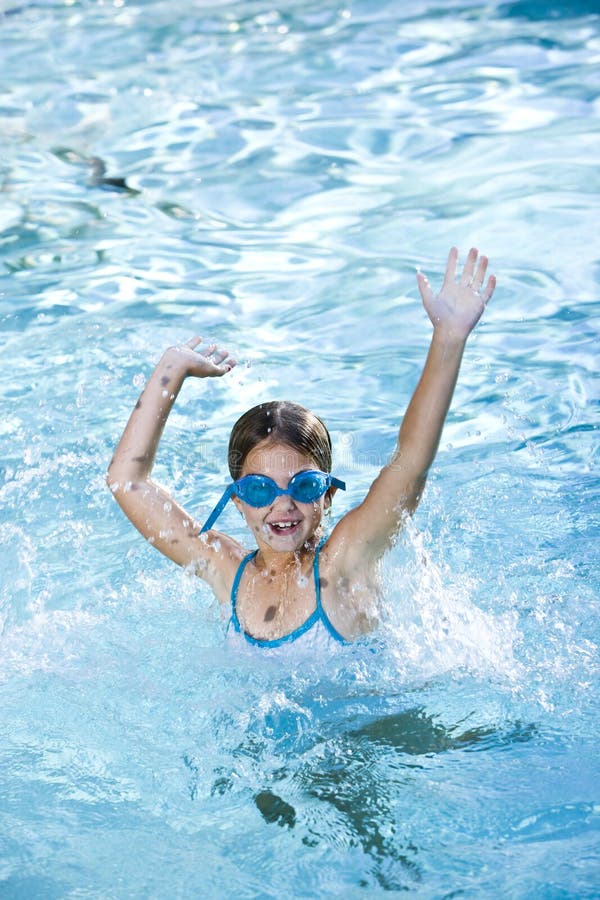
[(286, 524)]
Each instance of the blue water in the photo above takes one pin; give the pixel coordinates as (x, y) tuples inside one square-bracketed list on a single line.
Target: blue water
[(277, 175)]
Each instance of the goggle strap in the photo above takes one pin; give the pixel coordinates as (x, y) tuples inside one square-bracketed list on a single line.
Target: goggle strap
[(227, 493)]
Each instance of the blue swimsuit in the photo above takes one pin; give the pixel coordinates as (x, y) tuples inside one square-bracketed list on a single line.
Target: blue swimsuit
[(318, 616)]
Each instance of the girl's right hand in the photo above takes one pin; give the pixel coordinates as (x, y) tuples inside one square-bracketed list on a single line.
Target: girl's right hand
[(208, 361)]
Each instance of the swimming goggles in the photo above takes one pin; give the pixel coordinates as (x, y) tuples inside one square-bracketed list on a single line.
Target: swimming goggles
[(260, 490)]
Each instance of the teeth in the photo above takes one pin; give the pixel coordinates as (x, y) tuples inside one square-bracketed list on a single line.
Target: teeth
[(284, 524)]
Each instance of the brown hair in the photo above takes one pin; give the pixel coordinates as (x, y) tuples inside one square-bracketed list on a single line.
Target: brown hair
[(283, 422)]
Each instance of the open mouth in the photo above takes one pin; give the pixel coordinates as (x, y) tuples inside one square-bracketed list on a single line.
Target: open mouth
[(284, 528)]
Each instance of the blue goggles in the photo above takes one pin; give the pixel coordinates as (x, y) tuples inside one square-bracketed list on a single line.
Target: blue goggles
[(260, 490)]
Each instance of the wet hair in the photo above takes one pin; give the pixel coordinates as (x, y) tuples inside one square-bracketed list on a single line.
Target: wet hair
[(283, 422)]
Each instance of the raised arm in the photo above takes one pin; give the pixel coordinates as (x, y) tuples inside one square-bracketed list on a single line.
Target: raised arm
[(149, 507), (365, 533)]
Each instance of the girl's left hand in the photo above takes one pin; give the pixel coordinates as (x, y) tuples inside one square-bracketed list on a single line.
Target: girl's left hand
[(459, 305)]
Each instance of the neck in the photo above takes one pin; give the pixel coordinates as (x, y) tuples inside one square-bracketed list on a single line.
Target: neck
[(281, 562)]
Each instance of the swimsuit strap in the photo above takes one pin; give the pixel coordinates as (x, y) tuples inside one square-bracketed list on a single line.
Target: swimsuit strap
[(234, 589), (319, 612), (322, 614)]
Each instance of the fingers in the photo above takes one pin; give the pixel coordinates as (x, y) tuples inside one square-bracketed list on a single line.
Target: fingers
[(424, 287), (230, 364), (193, 342), (451, 267), (219, 356), (222, 359), (213, 354), (469, 269), (479, 276), (489, 289), (474, 272)]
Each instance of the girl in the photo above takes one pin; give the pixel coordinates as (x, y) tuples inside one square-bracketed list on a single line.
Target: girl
[(297, 582)]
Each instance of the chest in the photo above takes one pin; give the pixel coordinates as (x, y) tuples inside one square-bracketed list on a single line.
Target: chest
[(269, 606)]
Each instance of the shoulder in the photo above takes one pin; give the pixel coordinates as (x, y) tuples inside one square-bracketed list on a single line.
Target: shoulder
[(350, 592), (217, 562), (349, 550)]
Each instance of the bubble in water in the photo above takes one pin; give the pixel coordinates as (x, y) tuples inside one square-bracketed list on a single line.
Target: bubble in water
[(139, 380)]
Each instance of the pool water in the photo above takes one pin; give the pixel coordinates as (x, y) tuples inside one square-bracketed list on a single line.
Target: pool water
[(272, 176)]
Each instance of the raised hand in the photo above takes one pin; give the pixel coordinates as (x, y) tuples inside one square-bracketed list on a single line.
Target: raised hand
[(209, 361), (459, 305), (149, 506)]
